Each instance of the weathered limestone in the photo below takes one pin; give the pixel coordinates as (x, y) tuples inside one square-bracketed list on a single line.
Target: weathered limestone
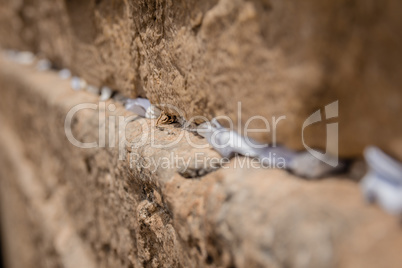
[(72, 207), (279, 58)]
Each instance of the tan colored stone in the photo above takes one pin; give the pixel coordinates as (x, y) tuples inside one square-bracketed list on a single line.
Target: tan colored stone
[(91, 209), (277, 57)]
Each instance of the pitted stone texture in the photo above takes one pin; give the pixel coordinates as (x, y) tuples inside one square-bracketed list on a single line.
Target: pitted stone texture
[(279, 58), (87, 208)]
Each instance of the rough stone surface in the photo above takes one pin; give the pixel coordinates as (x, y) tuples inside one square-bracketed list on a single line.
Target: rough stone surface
[(277, 57), (71, 207)]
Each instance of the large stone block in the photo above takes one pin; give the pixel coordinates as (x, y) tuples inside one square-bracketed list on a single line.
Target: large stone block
[(279, 58), (64, 206)]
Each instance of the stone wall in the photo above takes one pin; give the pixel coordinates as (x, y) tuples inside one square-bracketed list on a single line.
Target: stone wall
[(277, 57), (63, 206)]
